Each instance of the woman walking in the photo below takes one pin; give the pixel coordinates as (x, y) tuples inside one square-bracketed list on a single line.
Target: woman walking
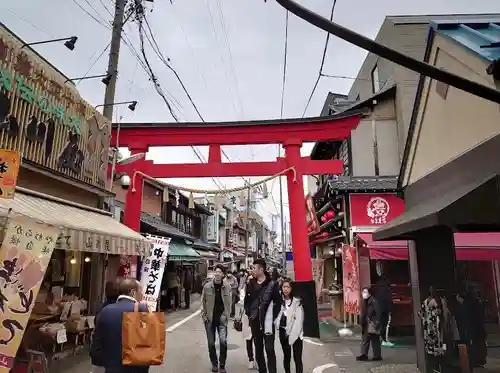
[(290, 322), (370, 326)]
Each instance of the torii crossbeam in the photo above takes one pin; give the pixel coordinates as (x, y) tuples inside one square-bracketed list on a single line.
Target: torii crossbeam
[(290, 133)]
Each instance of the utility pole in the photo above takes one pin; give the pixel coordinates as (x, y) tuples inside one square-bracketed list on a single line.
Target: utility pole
[(282, 225), (247, 225), (114, 54)]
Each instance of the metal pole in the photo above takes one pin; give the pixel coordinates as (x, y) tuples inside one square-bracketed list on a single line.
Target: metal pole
[(114, 53), (282, 218), (247, 227)]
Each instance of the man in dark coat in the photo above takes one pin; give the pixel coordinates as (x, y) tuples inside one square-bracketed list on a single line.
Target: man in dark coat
[(383, 294), (107, 341)]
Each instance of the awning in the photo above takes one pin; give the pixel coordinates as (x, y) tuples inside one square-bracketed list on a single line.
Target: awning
[(469, 246), (162, 228), (235, 252), (207, 254), (447, 209), (82, 228), (180, 252)]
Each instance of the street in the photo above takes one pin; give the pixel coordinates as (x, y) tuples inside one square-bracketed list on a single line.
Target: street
[(187, 352)]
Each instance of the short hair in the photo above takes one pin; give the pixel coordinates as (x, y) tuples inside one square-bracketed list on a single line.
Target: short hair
[(221, 267), (112, 289), (126, 285), (261, 262)]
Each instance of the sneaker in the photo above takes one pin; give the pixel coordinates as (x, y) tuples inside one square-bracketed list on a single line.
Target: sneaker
[(215, 369), (362, 358), (251, 365), (377, 358), (387, 344), (222, 369)]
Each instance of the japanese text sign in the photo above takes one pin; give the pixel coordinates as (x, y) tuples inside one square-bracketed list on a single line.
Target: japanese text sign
[(350, 279), (152, 270), (24, 256), (368, 210), (9, 169)]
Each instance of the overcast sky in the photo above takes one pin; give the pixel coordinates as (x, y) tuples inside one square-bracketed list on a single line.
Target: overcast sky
[(229, 53)]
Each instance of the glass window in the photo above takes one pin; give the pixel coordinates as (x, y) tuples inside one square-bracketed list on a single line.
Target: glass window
[(375, 80)]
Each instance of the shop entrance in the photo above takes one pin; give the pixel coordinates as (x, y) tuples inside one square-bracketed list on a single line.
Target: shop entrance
[(291, 134)]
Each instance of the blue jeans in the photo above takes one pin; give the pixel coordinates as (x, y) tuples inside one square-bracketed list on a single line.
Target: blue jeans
[(217, 326)]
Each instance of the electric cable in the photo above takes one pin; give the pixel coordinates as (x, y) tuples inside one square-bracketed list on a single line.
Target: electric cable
[(94, 62), (392, 55), (323, 58), (91, 15), (27, 21)]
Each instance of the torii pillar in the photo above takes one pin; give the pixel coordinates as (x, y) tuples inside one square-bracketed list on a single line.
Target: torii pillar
[(290, 133)]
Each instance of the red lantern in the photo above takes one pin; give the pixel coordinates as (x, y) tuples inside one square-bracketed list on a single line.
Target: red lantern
[(324, 234), (330, 214), (324, 219)]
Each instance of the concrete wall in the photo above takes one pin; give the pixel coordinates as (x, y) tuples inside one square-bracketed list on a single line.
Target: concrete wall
[(45, 184), (409, 39), (362, 142), (449, 126)]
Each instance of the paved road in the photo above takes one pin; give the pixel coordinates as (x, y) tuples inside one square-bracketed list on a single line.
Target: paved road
[(186, 350)]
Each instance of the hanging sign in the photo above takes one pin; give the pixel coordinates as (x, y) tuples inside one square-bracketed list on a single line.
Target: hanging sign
[(350, 280), (24, 256), (153, 268), (312, 219), (9, 169)]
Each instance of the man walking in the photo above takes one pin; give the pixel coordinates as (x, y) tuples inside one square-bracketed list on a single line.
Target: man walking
[(261, 293), (216, 302), (233, 282), (107, 340)]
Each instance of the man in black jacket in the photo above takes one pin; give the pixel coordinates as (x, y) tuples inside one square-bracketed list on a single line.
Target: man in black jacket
[(261, 291)]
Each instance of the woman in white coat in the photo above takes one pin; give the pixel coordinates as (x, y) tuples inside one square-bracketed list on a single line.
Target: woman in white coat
[(290, 322)]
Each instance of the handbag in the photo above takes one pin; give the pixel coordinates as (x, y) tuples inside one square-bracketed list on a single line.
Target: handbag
[(372, 328), (238, 323), (143, 337)]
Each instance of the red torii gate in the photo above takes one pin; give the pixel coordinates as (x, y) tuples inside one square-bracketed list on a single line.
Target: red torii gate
[(290, 133)]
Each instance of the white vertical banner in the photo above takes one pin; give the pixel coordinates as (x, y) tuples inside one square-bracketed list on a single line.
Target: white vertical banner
[(152, 269)]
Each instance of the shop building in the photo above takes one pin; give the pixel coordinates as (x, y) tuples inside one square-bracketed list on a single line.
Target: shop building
[(62, 181), (452, 189), (372, 163)]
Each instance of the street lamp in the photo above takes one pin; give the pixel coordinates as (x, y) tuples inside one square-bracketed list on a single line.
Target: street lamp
[(69, 43), (106, 78), (131, 106)]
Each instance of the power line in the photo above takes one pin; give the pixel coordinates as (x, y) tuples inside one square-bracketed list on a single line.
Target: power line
[(91, 15), (323, 58), (284, 67), (27, 21), (94, 62)]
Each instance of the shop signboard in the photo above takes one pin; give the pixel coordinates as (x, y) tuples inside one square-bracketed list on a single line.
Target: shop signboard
[(351, 280), (152, 269), (312, 218), (9, 169), (213, 226), (24, 256), (43, 116), (373, 210), (317, 269)]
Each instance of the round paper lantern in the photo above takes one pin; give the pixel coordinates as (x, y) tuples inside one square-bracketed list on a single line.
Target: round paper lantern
[(323, 219), (324, 234), (330, 214)]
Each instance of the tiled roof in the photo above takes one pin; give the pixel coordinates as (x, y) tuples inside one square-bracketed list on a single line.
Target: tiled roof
[(349, 183), (481, 38), (167, 229)]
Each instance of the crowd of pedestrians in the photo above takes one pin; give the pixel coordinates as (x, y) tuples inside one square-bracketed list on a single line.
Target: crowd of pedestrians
[(269, 307)]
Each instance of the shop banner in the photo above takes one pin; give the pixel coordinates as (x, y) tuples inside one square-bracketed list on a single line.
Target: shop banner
[(9, 169), (153, 268), (312, 219), (350, 280), (24, 256), (318, 266), (373, 210)]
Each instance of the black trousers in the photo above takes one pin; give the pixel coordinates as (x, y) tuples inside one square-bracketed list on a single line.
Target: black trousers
[(235, 299), (173, 293), (384, 322), (249, 345), (374, 340), (187, 297), (263, 342), (296, 349)]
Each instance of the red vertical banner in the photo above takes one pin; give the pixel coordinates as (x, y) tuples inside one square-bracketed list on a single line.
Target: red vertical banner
[(351, 280), (364, 266)]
